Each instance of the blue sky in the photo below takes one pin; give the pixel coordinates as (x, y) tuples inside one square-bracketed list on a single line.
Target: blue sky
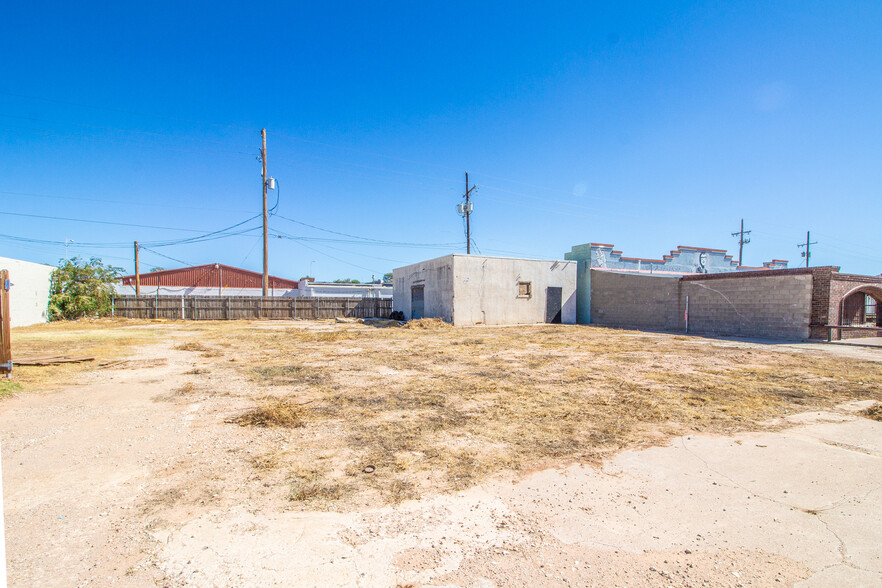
[(645, 125)]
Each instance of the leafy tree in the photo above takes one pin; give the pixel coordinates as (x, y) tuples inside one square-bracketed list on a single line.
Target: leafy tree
[(81, 288), (157, 269), (347, 281), (387, 278)]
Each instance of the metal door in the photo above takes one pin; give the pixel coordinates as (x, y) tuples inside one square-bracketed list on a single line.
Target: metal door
[(553, 297), (416, 302)]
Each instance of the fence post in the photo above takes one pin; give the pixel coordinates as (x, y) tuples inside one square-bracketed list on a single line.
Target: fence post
[(183, 313), (5, 321)]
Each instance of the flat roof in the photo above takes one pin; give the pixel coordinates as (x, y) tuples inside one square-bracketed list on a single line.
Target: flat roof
[(487, 257)]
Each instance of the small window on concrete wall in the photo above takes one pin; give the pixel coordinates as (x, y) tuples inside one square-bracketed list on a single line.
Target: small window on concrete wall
[(525, 289)]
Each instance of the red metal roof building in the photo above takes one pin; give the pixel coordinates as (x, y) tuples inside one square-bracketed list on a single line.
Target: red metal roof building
[(212, 275)]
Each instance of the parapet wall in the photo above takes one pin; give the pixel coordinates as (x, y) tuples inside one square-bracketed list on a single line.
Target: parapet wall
[(682, 260)]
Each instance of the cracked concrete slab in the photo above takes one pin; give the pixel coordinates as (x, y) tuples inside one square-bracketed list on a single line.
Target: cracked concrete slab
[(799, 506)]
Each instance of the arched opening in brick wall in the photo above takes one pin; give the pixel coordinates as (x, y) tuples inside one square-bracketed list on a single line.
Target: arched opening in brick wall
[(861, 306)]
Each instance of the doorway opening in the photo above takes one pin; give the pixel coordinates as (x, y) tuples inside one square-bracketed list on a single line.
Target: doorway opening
[(553, 299), (417, 304)]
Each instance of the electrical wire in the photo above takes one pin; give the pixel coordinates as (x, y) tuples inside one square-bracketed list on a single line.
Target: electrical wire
[(374, 271), (83, 220), (366, 239), (106, 201), (187, 263)]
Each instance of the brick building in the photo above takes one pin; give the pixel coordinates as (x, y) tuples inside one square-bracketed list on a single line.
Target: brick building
[(845, 299)]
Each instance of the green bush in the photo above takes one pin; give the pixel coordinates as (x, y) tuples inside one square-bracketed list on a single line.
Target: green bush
[(82, 288)]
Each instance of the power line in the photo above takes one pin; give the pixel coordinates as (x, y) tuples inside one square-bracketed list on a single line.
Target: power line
[(165, 256), (107, 201), (366, 239), (83, 220), (285, 135), (283, 235), (374, 271), (221, 233)]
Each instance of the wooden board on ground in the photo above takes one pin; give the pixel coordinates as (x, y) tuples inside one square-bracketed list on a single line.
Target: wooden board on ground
[(50, 360)]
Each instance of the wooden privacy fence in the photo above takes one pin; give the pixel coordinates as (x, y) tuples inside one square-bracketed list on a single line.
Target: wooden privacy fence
[(206, 308)]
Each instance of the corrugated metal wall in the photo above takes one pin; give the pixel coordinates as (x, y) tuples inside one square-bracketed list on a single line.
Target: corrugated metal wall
[(210, 275)]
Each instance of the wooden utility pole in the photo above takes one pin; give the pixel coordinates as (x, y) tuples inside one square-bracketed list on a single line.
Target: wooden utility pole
[(808, 247), (741, 241), (265, 244), (468, 224), (467, 210), (137, 271), (5, 320)]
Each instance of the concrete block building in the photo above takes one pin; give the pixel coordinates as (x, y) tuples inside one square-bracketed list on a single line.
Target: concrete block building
[(475, 290), (796, 303), (681, 261)]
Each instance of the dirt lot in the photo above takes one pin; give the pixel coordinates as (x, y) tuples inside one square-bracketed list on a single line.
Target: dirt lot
[(317, 453)]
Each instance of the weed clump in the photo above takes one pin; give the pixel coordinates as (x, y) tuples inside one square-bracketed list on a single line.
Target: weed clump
[(284, 375), (874, 412), (187, 388), (308, 485), (191, 346), (274, 412), (9, 388), (432, 324)]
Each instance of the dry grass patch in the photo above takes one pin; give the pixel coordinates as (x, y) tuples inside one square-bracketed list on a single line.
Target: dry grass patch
[(313, 486), (187, 388), (433, 324), (435, 408), (460, 404), (191, 346), (287, 375), (107, 340), (275, 412), (180, 394)]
